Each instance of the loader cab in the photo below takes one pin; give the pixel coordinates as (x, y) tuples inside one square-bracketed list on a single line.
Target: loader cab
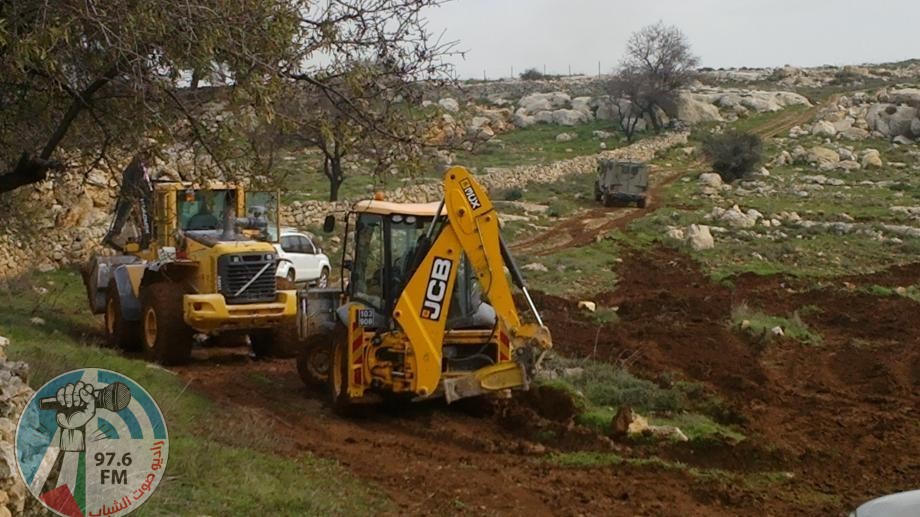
[(389, 243), (208, 213)]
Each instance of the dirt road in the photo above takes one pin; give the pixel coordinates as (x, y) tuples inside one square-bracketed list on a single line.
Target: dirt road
[(585, 227)]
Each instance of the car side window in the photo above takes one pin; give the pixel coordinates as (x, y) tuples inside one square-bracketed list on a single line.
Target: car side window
[(288, 244), (309, 247)]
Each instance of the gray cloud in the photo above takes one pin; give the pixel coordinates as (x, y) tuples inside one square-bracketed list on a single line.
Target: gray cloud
[(499, 34)]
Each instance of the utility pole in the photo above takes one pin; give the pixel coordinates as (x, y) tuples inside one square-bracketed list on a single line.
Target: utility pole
[(598, 68), (512, 71), (484, 76), (570, 70)]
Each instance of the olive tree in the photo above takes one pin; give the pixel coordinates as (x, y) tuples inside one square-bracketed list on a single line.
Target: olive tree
[(81, 80)]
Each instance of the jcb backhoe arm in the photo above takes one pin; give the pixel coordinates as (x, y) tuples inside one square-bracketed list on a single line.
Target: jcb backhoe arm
[(472, 228)]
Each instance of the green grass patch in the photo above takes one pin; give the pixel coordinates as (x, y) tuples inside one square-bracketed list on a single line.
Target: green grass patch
[(537, 145), (911, 292), (600, 388), (757, 323), (210, 451)]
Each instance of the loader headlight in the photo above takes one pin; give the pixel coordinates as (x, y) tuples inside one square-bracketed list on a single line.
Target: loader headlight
[(269, 257), (235, 259)]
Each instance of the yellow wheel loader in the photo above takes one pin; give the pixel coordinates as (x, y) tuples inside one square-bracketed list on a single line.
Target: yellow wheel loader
[(190, 261), (428, 309)]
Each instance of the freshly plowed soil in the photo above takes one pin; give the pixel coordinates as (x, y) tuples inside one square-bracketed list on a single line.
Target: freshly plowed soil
[(843, 416), (841, 419)]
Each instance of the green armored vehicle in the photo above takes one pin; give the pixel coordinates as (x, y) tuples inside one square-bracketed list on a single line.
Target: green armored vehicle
[(621, 182)]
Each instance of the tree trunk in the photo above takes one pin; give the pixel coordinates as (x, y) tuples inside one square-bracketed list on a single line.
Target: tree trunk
[(332, 167), (32, 170), (27, 170)]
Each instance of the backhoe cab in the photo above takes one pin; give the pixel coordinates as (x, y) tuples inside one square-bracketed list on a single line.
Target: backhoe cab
[(192, 259), (428, 308)]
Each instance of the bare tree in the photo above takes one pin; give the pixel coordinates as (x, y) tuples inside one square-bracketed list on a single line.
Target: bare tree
[(626, 95), (657, 64)]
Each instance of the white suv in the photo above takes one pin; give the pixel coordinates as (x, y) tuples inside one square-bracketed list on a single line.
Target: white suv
[(305, 261)]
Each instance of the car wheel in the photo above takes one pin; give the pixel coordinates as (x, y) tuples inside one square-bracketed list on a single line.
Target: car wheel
[(323, 281)]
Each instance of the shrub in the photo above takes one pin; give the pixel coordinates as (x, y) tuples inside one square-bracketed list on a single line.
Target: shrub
[(512, 194), (532, 74), (733, 154)]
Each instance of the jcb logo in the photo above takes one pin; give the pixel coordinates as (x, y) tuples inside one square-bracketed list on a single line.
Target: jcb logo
[(470, 194), (437, 288)]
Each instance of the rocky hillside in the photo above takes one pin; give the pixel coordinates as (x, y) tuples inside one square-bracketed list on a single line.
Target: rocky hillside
[(61, 222)]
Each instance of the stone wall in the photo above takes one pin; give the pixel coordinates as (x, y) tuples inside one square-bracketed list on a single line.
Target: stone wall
[(14, 395)]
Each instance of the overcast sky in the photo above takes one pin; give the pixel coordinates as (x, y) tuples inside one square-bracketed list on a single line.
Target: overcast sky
[(499, 34)]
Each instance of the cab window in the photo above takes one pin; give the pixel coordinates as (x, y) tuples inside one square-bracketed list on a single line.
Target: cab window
[(367, 275)]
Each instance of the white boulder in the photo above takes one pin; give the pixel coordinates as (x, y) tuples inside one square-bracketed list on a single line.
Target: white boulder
[(449, 104), (699, 237), (824, 128)]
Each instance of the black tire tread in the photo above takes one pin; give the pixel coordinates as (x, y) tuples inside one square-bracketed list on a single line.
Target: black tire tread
[(126, 335), (174, 336)]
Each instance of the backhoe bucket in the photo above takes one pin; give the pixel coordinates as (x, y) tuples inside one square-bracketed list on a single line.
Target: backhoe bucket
[(497, 377)]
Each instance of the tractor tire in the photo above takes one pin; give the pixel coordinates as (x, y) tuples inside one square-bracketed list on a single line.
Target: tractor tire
[(597, 192), (337, 380), (641, 203), (313, 361), (607, 200), (281, 341), (166, 337), (119, 333)]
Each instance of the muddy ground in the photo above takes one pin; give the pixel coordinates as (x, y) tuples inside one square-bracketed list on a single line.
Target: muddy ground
[(840, 420)]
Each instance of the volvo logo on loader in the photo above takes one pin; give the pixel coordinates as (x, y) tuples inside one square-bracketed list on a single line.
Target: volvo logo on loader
[(470, 194), (437, 288)]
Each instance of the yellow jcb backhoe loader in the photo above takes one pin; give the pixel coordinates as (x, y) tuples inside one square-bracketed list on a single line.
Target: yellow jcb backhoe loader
[(413, 320)]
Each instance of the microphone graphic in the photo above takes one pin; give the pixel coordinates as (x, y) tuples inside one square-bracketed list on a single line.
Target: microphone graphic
[(114, 397)]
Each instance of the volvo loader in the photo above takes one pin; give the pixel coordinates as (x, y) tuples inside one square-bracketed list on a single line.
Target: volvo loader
[(425, 307), (190, 260)]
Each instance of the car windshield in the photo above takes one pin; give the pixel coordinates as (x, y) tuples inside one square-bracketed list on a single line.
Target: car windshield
[(202, 209)]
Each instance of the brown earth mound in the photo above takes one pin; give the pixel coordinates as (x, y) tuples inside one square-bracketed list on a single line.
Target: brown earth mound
[(842, 415)]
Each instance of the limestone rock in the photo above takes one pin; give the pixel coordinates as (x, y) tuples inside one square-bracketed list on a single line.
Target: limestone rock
[(699, 237), (871, 159), (891, 120), (824, 128), (711, 179), (823, 157), (694, 110), (565, 137), (449, 104), (587, 305)]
